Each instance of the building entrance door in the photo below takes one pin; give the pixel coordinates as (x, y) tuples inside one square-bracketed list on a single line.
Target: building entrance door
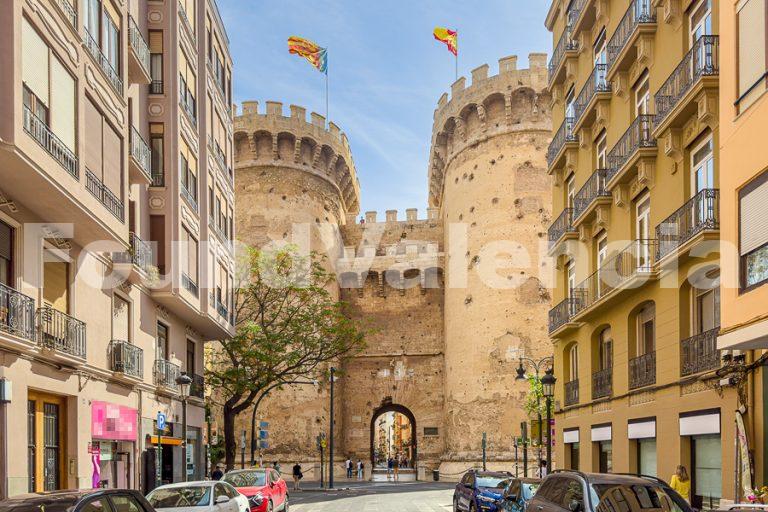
[(46, 435)]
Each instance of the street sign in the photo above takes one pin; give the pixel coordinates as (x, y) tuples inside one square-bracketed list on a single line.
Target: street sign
[(242, 440), (263, 434), (263, 445), (160, 421), (263, 424)]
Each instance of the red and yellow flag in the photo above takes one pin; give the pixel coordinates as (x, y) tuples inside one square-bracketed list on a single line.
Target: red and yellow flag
[(316, 55), (449, 37)]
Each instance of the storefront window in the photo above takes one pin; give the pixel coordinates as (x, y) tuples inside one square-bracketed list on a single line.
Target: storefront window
[(707, 470), (646, 456), (606, 456)]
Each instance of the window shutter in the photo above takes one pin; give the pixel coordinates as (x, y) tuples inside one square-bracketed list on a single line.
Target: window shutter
[(156, 41), (62, 103), (751, 42), (113, 161), (6, 244), (113, 13), (120, 319), (93, 144), (754, 215), (34, 62)]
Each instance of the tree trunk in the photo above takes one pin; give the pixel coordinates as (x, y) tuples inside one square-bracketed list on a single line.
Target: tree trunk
[(230, 440)]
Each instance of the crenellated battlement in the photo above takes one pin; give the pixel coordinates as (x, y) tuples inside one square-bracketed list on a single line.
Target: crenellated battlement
[(512, 100), (272, 138), (391, 216)]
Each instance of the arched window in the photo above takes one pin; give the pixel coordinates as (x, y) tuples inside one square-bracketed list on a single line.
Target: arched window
[(573, 357), (646, 329), (605, 348)]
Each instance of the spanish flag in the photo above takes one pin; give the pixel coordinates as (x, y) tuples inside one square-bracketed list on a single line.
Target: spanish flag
[(449, 37), (316, 55)]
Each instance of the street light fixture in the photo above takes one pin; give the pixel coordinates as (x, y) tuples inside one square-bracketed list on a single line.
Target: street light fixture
[(537, 366), (184, 382), (548, 389)]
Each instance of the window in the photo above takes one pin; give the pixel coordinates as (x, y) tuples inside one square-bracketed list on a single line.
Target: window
[(606, 349), (643, 231), (602, 254), (605, 460), (570, 191), (190, 357), (574, 453), (157, 143), (188, 12), (706, 313), (702, 167), (753, 232), (188, 171), (570, 109), (121, 318), (707, 474), (103, 149), (642, 94), (102, 24), (601, 153), (187, 86), (573, 362), (125, 503), (161, 347), (156, 61), (189, 255), (646, 332), (599, 49), (574, 492), (751, 56), (6, 257), (211, 199), (571, 277), (157, 237), (646, 457), (700, 21)]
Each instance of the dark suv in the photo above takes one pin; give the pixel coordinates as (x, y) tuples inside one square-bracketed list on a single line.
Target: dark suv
[(479, 491), (573, 491), (90, 500)]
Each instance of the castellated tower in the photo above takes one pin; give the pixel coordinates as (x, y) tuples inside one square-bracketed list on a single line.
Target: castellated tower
[(488, 177)]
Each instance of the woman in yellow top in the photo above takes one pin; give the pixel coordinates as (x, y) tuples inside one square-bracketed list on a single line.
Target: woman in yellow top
[(681, 483)]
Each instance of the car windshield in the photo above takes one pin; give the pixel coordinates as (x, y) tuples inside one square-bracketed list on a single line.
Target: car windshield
[(498, 482), (246, 478), (529, 490), (171, 497), (616, 498)]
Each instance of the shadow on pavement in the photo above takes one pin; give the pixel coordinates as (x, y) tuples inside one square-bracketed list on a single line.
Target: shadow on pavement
[(316, 495)]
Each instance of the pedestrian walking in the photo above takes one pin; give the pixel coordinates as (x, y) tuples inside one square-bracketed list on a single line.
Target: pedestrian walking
[(359, 469), (542, 471), (396, 468), (390, 467), (297, 476), (349, 467), (218, 473), (681, 483), (276, 466)]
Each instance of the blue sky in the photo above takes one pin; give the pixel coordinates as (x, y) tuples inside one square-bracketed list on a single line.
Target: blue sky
[(386, 72)]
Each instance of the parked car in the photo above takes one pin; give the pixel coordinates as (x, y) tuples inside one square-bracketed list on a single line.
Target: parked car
[(574, 491), (517, 494), (87, 500), (479, 491), (204, 496), (265, 488)]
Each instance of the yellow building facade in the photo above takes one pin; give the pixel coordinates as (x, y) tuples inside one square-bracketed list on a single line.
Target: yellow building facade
[(636, 208)]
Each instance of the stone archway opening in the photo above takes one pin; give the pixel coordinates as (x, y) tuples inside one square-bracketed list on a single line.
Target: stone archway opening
[(393, 435)]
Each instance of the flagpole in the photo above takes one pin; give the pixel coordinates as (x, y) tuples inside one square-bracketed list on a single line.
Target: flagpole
[(326, 97), (457, 53)]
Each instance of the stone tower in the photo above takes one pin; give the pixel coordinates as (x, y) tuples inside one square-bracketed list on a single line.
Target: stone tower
[(488, 177)]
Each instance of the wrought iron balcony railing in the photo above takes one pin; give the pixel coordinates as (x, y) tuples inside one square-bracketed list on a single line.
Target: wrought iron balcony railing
[(638, 135), (156, 87), (564, 135), (564, 44), (197, 388), (221, 308), (642, 370), (104, 195), (127, 358), (158, 178), (165, 374), (639, 12), (602, 383), (562, 313), (113, 77), (634, 261), (60, 332), (701, 60), (596, 83), (140, 152), (68, 11), (592, 189), (572, 392), (43, 135), (699, 213), (140, 253), (189, 284), (17, 313), (185, 20), (138, 43), (191, 199), (562, 225), (699, 353)]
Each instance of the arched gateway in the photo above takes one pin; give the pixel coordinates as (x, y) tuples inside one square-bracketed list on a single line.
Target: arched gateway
[(393, 434)]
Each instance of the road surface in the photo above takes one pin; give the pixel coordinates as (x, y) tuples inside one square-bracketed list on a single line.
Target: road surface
[(377, 497)]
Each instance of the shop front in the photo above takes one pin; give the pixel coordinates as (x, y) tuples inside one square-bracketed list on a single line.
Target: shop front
[(112, 447)]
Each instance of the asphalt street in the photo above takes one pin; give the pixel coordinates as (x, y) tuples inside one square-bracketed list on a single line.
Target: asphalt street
[(377, 497)]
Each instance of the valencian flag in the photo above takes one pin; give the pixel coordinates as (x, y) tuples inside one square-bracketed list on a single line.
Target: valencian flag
[(316, 55), (449, 37)]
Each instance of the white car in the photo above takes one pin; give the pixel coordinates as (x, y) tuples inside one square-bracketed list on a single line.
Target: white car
[(202, 496)]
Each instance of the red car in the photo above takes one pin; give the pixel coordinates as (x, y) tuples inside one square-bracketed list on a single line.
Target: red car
[(265, 488)]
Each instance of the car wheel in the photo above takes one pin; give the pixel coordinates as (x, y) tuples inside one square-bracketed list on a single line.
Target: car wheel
[(455, 504)]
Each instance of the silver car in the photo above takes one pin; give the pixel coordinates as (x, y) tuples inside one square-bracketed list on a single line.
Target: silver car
[(202, 496)]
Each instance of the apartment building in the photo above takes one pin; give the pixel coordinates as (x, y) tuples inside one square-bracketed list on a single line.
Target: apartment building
[(116, 238), (636, 177), (744, 192)]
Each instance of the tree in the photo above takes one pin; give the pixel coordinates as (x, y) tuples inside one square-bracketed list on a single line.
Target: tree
[(287, 327), (536, 403)]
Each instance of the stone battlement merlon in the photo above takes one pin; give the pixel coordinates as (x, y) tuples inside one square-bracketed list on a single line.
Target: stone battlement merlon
[(391, 216)]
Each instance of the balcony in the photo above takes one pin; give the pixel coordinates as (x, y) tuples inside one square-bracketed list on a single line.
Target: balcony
[(566, 48), (69, 12), (187, 195), (156, 87), (165, 373), (590, 195), (572, 392), (158, 179), (60, 333), (697, 219), (221, 308), (138, 62), (642, 371), (596, 89), (17, 313), (561, 229), (697, 72), (197, 388), (602, 383), (628, 269), (699, 353), (635, 144), (141, 159), (139, 255), (188, 105), (586, 14), (185, 22), (564, 139), (632, 40), (127, 359), (104, 195), (189, 284), (43, 135), (113, 77), (218, 155), (560, 315)]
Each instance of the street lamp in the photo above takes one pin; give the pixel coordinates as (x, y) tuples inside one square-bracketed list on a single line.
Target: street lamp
[(548, 389), (184, 381), (330, 448), (537, 366)]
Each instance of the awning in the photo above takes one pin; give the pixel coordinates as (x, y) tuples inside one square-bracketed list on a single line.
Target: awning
[(641, 429), (571, 436), (173, 441), (601, 433), (700, 422)]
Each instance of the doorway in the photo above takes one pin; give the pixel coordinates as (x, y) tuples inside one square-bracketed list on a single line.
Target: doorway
[(393, 435)]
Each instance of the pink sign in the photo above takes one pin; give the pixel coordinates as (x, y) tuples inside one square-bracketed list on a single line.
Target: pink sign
[(114, 422)]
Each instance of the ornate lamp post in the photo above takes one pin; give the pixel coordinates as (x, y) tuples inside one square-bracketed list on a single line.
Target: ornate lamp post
[(330, 448), (548, 389), (184, 381), (537, 367)]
